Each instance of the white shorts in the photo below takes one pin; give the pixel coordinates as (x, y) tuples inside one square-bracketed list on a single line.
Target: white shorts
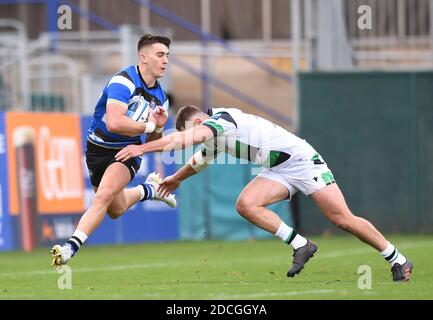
[(307, 172)]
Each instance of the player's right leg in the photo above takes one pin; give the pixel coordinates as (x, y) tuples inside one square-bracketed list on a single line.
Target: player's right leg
[(144, 191), (114, 179), (251, 204), (123, 201)]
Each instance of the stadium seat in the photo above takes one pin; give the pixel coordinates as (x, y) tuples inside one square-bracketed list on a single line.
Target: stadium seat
[(47, 102)]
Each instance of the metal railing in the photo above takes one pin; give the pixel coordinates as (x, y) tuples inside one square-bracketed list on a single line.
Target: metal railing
[(401, 34), (13, 63), (56, 78), (208, 37), (30, 78)]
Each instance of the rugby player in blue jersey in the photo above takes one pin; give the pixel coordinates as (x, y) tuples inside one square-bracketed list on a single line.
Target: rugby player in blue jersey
[(111, 130)]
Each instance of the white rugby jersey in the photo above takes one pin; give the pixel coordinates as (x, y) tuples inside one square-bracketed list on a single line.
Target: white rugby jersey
[(249, 137)]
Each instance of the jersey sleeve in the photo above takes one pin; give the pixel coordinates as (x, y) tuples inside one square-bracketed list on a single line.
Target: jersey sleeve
[(221, 124), (120, 90)]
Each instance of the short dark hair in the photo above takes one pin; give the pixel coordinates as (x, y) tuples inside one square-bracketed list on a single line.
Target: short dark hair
[(184, 114), (148, 39)]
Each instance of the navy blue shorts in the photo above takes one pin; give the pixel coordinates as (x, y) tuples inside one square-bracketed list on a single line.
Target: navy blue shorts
[(99, 158)]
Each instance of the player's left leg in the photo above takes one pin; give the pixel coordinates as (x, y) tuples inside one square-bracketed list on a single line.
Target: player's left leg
[(114, 179), (252, 203), (331, 202)]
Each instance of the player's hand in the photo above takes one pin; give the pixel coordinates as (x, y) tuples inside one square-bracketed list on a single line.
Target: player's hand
[(153, 119), (168, 185), (131, 151), (160, 115)]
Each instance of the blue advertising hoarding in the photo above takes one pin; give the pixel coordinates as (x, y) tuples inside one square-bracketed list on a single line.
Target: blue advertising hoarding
[(6, 242)]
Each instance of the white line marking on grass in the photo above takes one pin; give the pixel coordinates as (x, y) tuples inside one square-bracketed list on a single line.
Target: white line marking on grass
[(106, 268), (273, 294)]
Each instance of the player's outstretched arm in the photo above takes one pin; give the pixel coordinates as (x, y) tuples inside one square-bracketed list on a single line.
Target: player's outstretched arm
[(174, 141), (196, 164), (171, 183)]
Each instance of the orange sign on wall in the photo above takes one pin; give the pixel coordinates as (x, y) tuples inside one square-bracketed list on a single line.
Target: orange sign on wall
[(53, 142)]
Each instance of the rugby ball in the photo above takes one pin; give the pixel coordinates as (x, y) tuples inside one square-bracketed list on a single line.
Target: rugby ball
[(138, 109)]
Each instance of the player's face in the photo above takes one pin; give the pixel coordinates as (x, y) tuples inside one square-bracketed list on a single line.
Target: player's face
[(156, 57)]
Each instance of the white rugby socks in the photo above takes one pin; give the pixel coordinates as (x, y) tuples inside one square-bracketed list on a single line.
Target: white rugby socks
[(392, 255), (290, 236), (77, 240), (147, 191)]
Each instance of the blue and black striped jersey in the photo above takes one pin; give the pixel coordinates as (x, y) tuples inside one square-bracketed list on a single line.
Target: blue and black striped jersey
[(121, 88)]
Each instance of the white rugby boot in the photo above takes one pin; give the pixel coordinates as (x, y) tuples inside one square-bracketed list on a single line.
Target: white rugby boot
[(61, 254), (154, 180)]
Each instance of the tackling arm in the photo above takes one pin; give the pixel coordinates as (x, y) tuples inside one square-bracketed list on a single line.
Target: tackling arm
[(194, 165), (174, 141), (179, 140)]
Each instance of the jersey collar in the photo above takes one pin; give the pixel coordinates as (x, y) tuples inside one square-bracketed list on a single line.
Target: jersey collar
[(144, 82)]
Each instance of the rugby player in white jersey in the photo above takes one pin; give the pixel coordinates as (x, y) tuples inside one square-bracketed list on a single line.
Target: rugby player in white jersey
[(289, 164)]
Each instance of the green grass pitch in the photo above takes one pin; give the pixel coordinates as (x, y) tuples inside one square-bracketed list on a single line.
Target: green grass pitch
[(246, 270)]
